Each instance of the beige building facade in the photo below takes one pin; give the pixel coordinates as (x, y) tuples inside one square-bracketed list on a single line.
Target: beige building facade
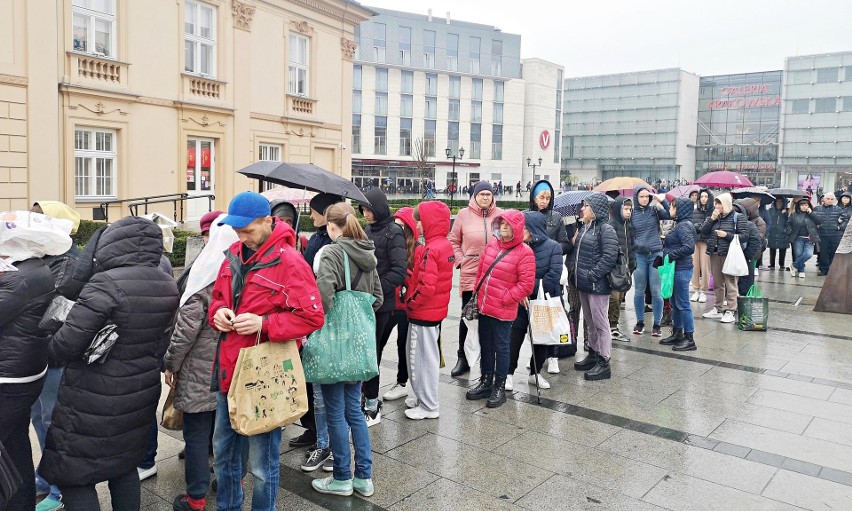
[(121, 99)]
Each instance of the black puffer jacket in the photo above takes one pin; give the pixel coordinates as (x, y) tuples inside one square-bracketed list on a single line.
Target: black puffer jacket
[(845, 213), (391, 252), (803, 222), (596, 249), (317, 241), (554, 224), (777, 223), (752, 242), (829, 217), (725, 222), (24, 296), (701, 213), (679, 244), (103, 415), (624, 230)]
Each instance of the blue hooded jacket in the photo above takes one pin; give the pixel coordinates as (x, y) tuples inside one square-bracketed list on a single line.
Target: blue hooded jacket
[(548, 255), (646, 223), (680, 243)]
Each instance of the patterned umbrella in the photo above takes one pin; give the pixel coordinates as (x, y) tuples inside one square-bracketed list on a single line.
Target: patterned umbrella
[(622, 184), (569, 203), (723, 179), (755, 192), (292, 195), (681, 191)]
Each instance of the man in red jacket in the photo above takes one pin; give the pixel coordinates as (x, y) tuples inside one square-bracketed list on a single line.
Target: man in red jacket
[(264, 289), (426, 303)]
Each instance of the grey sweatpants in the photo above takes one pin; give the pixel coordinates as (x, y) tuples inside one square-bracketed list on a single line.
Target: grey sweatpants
[(424, 359)]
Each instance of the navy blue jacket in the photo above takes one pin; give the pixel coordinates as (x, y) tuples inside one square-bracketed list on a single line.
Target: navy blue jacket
[(829, 216), (548, 255), (680, 243), (646, 223)]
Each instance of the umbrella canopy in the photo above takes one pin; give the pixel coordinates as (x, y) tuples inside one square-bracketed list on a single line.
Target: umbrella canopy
[(622, 184), (787, 193), (754, 192), (723, 179), (294, 196), (304, 175), (681, 191), (569, 203)]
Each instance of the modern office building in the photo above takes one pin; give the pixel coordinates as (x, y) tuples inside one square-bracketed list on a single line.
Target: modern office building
[(542, 121), (424, 84), (739, 120), (639, 124), (816, 124)]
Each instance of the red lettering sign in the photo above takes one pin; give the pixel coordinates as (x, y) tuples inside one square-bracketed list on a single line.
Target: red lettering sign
[(544, 139), (724, 104), (745, 90)]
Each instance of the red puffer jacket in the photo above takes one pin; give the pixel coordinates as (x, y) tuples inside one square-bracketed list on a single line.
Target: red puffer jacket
[(406, 215), (470, 234), (428, 297), (513, 277), (280, 287)]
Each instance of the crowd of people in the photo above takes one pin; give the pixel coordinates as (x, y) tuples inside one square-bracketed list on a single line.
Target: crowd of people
[(257, 279)]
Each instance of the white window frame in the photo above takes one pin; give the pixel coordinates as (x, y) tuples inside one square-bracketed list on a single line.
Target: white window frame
[(198, 40), (92, 154), (296, 69), (83, 8), (268, 152)]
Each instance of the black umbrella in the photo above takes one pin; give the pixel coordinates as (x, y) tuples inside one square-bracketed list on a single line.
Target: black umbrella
[(304, 175), (787, 193), (755, 193)]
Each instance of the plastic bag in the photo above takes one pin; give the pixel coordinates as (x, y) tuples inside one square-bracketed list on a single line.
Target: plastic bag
[(667, 273), (167, 225), (55, 314), (753, 310), (548, 322), (735, 262), (26, 235), (472, 351)]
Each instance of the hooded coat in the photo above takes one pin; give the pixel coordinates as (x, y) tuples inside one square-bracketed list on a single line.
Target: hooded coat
[(512, 278), (646, 222), (406, 214), (624, 230), (554, 224), (680, 243), (596, 250), (548, 255), (752, 241), (102, 419), (800, 222), (275, 206), (427, 299), (845, 213), (725, 222), (471, 232), (24, 297), (701, 213), (331, 276), (389, 241), (751, 207), (777, 223)]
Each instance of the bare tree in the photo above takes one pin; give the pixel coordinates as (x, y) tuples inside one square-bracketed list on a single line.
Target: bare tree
[(421, 156)]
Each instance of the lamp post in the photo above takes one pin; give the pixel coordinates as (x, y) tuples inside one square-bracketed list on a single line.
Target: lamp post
[(453, 180), (532, 164)]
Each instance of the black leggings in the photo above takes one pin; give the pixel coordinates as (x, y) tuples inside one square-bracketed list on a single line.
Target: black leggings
[(124, 491), (385, 321), (782, 256)]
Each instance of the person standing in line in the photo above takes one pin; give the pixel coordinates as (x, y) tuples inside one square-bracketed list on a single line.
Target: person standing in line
[(845, 212), (595, 255), (647, 213), (679, 246), (389, 249), (829, 231), (572, 225), (620, 213), (700, 260), (470, 233), (426, 303), (753, 242), (803, 235), (264, 286), (720, 229), (343, 399), (507, 272), (289, 214), (776, 238)]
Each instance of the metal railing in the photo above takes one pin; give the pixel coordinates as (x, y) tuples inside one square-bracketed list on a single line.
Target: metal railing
[(177, 199)]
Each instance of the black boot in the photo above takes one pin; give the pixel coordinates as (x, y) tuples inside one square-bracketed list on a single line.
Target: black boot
[(667, 318), (676, 337), (460, 368), (498, 393), (686, 344), (483, 389), (588, 362), (601, 370)]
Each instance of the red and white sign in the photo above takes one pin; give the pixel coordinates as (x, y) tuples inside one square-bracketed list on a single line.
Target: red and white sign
[(544, 139)]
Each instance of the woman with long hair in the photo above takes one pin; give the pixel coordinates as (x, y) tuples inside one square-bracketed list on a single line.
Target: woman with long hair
[(700, 259), (802, 234)]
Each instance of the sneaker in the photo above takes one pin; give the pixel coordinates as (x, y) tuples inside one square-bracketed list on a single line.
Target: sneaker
[(315, 460), (418, 413), (373, 417), (639, 329), (786, 268), (145, 473), (793, 271), (510, 384), (328, 466), (694, 297), (618, 336), (398, 391), (50, 504), (410, 402), (656, 331), (728, 317), (553, 365), (765, 268), (801, 274), (363, 486), (702, 298), (331, 486), (186, 503), (542, 383), (306, 439), (712, 314)]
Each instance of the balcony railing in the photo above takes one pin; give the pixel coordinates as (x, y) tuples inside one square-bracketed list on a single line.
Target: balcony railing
[(199, 87), (300, 105), (98, 69)]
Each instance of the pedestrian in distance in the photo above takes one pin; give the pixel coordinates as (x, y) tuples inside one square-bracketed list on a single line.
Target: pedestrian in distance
[(845, 212), (776, 239), (679, 246), (803, 235), (829, 231)]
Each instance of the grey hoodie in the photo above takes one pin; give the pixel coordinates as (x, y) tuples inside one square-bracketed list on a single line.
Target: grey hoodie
[(331, 274)]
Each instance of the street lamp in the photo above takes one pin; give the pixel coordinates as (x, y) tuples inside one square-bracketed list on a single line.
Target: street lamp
[(453, 180), (532, 164)]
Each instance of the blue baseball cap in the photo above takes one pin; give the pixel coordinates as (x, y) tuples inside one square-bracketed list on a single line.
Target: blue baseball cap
[(245, 208)]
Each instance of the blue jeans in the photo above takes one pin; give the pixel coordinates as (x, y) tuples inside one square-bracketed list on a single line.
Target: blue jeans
[(494, 346), (264, 452), (320, 418), (803, 250), (40, 415), (343, 411), (645, 275), (151, 453), (681, 310)]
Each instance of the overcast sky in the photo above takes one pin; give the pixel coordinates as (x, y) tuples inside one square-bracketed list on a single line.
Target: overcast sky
[(707, 37)]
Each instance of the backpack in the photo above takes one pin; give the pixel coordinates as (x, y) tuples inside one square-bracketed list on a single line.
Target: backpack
[(619, 278)]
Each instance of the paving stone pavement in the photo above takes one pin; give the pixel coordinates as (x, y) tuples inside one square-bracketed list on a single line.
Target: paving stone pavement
[(750, 421)]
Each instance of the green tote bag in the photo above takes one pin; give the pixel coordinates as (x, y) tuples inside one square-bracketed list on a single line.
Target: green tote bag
[(344, 349), (667, 273)]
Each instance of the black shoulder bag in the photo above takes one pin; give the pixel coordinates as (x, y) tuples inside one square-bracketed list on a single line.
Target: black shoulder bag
[(470, 311)]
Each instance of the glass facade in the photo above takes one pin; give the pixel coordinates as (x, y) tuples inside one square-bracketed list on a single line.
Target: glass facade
[(739, 120)]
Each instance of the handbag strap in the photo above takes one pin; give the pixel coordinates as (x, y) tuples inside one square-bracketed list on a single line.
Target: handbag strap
[(496, 260), (348, 273)]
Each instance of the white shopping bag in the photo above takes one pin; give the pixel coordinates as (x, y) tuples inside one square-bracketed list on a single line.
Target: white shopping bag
[(471, 342), (735, 262), (25, 235), (548, 321)]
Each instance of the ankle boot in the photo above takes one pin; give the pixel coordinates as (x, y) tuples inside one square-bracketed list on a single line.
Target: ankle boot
[(686, 344), (460, 368), (588, 362), (483, 389), (601, 371), (498, 393), (676, 337)]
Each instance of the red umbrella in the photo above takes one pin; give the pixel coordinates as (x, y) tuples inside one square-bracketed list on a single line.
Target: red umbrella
[(681, 191), (723, 179)]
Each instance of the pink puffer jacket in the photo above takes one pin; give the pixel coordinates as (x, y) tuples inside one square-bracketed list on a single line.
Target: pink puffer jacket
[(470, 234)]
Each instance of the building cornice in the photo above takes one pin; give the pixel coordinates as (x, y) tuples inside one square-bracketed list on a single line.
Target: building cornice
[(18, 81), (346, 11), (290, 120)]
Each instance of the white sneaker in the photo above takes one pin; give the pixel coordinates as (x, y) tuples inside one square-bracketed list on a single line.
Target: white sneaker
[(396, 392), (420, 414), (542, 383), (510, 384), (702, 298), (728, 317), (553, 365), (801, 274), (793, 271), (145, 473), (712, 314), (410, 402), (694, 297)]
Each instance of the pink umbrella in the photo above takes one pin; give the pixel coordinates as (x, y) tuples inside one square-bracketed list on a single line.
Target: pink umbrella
[(294, 196), (723, 179), (681, 191)]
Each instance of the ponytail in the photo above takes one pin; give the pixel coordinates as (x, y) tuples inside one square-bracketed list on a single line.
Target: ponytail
[(343, 216)]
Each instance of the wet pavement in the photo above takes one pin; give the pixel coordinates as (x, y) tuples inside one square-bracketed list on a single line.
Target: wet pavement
[(751, 420)]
